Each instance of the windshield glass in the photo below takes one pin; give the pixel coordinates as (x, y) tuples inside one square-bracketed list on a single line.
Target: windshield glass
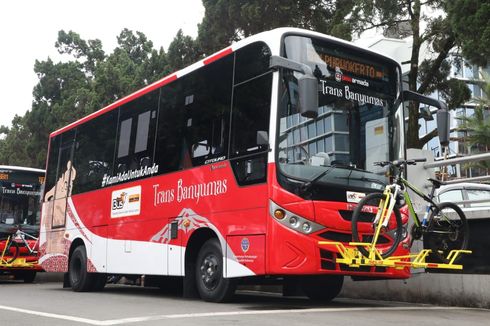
[(357, 122), (19, 200)]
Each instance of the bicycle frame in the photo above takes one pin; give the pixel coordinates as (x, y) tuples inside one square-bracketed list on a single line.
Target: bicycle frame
[(408, 200), (22, 236), (387, 204), (5, 249)]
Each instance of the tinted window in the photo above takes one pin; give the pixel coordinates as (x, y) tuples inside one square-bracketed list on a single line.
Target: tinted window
[(54, 148), (251, 113), (251, 61), (136, 135), (206, 98), (169, 151), (94, 152)]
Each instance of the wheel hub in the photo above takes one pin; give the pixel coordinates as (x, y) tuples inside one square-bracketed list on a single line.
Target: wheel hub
[(210, 272)]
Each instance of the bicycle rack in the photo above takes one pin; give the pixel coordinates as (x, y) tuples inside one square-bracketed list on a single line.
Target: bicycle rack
[(352, 257), (18, 263)]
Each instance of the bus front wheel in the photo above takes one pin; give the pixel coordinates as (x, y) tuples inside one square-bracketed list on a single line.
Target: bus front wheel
[(322, 288), (211, 285)]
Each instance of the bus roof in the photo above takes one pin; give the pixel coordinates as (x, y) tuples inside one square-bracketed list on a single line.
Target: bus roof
[(21, 168), (272, 38)]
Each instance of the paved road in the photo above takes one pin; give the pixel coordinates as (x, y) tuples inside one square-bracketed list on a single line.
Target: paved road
[(49, 304)]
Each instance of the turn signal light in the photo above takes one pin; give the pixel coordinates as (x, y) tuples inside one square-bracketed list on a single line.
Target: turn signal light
[(279, 214)]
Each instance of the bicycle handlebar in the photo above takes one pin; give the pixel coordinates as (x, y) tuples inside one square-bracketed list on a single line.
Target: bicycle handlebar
[(398, 163)]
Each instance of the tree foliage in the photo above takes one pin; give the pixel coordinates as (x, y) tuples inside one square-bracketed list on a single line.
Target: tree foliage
[(470, 22), (477, 127), (226, 21), (87, 80), (440, 35)]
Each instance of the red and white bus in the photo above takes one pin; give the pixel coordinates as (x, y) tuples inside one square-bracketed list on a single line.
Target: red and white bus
[(20, 194), (230, 170)]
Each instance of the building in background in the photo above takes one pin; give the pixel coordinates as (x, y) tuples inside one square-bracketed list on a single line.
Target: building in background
[(472, 75)]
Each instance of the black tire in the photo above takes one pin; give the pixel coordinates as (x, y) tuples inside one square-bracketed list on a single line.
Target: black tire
[(388, 239), (26, 276), (448, 230), (322, 288), (210, 283), (29, 276), (99, 282), (11, 252), (80, 279)]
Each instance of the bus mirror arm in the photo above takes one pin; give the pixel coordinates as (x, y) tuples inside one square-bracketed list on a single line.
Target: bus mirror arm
[(307, 84), (443, 116)]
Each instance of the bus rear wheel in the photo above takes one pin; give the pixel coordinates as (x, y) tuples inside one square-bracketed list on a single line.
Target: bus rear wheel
[(211, 285)]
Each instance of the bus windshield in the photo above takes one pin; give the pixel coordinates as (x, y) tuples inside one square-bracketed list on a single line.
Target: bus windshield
[(359, 118), (20, 190)]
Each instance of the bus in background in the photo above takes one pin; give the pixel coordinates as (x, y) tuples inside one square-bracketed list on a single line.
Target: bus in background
[(228, 171), (20, 192)]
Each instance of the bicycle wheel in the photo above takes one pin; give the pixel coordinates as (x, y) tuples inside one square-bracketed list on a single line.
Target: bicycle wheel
[(363, 226), (11, 251), (448, 230)]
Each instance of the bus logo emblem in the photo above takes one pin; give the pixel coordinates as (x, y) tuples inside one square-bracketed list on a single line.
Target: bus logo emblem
[(118, 202), (338, 74), (245, 244), (126, 202)]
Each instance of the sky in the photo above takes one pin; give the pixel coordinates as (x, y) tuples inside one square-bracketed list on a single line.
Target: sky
[(29, 29)]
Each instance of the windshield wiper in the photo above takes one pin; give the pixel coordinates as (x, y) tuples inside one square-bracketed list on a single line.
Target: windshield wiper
[(306, 187), (363, 179)]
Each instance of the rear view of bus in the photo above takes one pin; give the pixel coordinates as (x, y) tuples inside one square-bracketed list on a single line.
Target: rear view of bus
[(229, 171), (20, 191)]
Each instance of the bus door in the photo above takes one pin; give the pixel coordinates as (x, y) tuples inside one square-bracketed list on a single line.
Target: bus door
[(54, 213), (60, 189), (64, 182)]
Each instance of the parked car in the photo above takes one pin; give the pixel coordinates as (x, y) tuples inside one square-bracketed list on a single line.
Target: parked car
[(473, 198)]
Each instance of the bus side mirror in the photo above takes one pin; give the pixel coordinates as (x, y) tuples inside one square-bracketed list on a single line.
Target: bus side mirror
[(308, 96), (443, 115), (307, 85), (443, 126)]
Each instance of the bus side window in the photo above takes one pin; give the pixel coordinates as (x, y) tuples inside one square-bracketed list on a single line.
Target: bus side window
[(94, 152), (54, 148), (206, 104), (251, 114), (136, 135), (170, 133)]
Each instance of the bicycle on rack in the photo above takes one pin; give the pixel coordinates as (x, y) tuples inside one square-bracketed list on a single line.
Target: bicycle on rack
[(13, 244), (377, 223)]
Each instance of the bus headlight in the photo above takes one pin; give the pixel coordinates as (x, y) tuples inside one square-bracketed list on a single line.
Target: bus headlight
[(279, 214), (306, 227), (293, 221)]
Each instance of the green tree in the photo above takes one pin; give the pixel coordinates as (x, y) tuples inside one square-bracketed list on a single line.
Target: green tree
[(183, 51), (86, 80), (226, 21), (469, 20), (440, 37), (477, 126)]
